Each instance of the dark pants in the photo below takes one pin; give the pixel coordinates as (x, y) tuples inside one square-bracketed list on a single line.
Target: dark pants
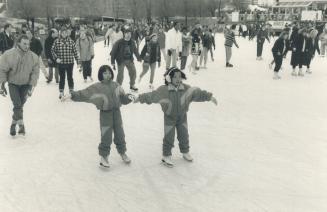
[(183, 62), (18, 95), (179, 124), (63, 70), (131, 71), (55, 73), (278, 62), (111, 122), (87, 68), (259, 48)]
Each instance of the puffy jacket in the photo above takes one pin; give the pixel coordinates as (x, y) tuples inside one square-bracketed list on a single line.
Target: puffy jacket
[(19, 68), (175, 102), (104, 95), (117, 52)]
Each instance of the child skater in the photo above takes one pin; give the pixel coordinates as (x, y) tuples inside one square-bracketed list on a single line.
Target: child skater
[(175, 98), (150, 55), (278, 50), (108, 96), (311, 46)]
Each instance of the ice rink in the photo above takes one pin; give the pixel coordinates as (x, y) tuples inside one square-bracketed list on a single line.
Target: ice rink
[(263, 149)]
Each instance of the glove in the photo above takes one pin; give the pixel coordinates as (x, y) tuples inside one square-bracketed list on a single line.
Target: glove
[(3, 90), (131, 97), (30, 91), (113, 66), (58, 60)]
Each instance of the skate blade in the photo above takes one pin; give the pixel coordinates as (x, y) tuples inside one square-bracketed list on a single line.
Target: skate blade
[(167, 164), (104, 167)]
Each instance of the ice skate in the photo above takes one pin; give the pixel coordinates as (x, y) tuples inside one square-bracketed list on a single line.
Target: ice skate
[(85, 81), (308, 71), (166, 160), (61, 95), (21, 130), (125, 158), (301, 73), (276, 76), (133, 88), (187, 157), (13, 129), (104, 162), (294, 74)]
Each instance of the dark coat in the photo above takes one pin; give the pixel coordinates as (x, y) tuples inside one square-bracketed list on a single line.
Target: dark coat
[(279, 49), (36, 46), (117, 52), (153, 50), (47, 50), (297, 50), (310, 48), (6, 42)]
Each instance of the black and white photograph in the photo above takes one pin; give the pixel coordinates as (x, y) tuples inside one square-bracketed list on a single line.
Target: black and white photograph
[(163, 106)]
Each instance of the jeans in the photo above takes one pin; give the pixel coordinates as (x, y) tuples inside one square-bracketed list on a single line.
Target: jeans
[(18, 95), (63, 70), (146, 67), (131, 71)]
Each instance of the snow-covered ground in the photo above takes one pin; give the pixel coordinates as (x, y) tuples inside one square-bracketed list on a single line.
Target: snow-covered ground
[(264, 148)]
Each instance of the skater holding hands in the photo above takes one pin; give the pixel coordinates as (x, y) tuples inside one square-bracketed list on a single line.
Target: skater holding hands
[(175, 98), (107, 96)]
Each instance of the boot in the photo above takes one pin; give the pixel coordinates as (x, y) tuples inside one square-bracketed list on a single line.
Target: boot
[(167, 161), (104, 162), (125, 158), (61, 95), (21, 130), (294, 73), (301, 73), (187, 157), (308, 71)]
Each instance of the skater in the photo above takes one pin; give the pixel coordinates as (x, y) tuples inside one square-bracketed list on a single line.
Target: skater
[(107, 96), (229, 41), (175, 98), (195, 50), (116, 35), (186, 44), (122, 52), (173, 45), (85, 48), (162, 42), (298, 49), (311, 46), (262, 35), (53, 35), (107, 36), (206, 42), (212, 43), (150, 55), (19, 67), (64, 51), (278, 50), (6, 39)]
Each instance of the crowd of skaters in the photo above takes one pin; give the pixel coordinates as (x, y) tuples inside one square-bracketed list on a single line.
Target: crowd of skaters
[(20, 65)]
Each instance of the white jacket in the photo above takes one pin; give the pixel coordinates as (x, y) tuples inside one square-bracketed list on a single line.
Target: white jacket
[(174, 40)]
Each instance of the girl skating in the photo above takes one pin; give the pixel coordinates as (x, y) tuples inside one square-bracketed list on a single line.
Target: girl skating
[(108, 97), (175, 98)]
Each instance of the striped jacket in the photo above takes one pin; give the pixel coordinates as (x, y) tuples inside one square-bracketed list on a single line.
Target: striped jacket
[(19, 68), (65, 50), (175, 102), (104, 95), (229, 38)]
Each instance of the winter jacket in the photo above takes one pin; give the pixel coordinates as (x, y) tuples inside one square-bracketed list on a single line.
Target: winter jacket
[(19, 68), (85, 48), (279, 47), (36, 46), (151, 53), (65, 50), (6, 42), (175, 102), (117, 52), (174, 40), (104, 95), (186, 45), (262, 35), (49, 41), (206, 40)]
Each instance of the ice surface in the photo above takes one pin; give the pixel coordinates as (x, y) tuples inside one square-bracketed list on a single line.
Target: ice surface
[(264, 148)]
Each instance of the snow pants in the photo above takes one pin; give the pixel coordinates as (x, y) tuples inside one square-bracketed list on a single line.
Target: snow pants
[(111, 122), (18, 95), (180, 124)]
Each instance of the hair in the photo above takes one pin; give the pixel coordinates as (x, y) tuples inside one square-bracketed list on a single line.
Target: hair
[(6, 26), (22, 37), (233, 27), (171, 73), (103, 69)]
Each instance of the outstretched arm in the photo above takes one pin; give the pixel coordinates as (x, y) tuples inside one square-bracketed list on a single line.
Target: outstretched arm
[(199, 95), (149, 98)]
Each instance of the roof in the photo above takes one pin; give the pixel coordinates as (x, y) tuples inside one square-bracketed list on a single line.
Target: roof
[(293, 4)]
